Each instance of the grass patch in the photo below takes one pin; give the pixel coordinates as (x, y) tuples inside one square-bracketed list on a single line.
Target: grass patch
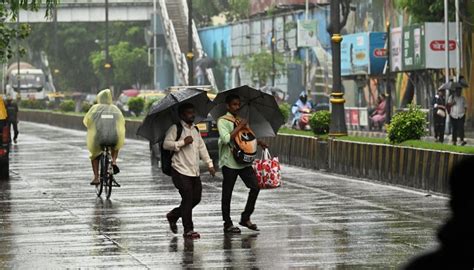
[(414, 144), (363, 139), (439, 146), (290, 131)]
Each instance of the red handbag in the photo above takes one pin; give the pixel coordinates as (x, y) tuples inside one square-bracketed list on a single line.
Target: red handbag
[(268, 171)]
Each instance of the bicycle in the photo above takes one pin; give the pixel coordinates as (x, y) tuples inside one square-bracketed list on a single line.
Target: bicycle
[(107, 180)]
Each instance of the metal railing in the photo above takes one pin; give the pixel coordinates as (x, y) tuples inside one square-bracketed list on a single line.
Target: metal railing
[(179, 59), (198, 45)]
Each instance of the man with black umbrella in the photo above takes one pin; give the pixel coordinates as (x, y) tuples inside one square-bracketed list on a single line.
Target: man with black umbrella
[(184, 139), (231, 168), (457, 106)]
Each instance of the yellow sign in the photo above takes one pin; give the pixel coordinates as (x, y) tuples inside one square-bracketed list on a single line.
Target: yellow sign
[(202, 127)]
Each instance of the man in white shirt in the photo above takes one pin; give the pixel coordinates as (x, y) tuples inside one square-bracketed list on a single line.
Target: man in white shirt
[(458, 107), (188, 150)]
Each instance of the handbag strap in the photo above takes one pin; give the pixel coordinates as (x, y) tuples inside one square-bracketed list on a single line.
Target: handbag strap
[(266, 154)]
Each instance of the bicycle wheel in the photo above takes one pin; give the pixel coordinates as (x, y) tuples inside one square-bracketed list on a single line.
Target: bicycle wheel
[(110, 182), (105, 178), (100, 187)]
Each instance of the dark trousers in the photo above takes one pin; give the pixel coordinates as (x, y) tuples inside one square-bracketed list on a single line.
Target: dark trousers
[(190, 189), (458, 128), (230, 177), (15, 129), (439, 126)]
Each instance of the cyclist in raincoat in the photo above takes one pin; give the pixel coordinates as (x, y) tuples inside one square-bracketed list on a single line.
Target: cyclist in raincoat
[(105, 127)]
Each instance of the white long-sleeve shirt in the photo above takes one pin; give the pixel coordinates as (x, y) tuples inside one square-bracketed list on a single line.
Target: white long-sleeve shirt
[(186, 157), (458, 110)]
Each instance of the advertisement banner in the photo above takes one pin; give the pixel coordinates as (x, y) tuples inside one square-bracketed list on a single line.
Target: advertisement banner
[(378, 52), (435, 45), (413, 47), (307, 33), (355, 54), (396, 49)]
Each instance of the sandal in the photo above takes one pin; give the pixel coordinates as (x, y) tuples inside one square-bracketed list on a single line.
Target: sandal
[(115, 168), (192, 235), (95, 182), (231, 229), (248, 224)]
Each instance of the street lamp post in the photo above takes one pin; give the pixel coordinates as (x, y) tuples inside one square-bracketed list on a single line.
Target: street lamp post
[(18, 51), (338, 123), (107, 65), (190, 54), (273, 40), (388, 109)]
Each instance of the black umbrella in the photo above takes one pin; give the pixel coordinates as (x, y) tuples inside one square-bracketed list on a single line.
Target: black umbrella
[(206, 62), (451, 85), (164, 114), (259, 108)]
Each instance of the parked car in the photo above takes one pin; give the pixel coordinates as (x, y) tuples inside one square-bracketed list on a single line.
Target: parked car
[(122, 101), (4, 143)]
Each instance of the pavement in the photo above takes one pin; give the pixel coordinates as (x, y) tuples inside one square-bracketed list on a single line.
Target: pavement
[(51, 218)]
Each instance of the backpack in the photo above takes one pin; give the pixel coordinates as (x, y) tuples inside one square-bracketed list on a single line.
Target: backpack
[(166, 155), (244, 146), (106, 128)]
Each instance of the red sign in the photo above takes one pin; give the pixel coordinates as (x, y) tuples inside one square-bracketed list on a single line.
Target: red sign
[(438, 45), (380, 52)]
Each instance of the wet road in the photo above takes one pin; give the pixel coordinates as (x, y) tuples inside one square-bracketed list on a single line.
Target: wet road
[(50, 216)]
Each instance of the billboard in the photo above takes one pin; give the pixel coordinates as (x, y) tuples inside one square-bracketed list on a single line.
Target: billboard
[(396, 49), (378, 52), (363, 54), (354, 54), (422, 47), (413, 47), (435, 45), (307, 33)]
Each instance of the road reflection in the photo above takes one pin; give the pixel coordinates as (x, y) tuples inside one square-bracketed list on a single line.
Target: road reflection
[(189, 257), (108, 225), (5, 225)]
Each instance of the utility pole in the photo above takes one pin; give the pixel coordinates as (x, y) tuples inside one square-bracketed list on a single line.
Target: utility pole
[(273, 51), (446, 50), (446, 41), (18, 51), (107, 65), (306, 64), (338, 122), (458, 43), (155, 66), (388, 107), (190, 54)]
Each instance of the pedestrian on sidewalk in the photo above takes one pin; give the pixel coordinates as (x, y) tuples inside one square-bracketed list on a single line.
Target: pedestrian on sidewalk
[(12, 111), (458, 107), (184, 139), (439, 115), (231, 169)]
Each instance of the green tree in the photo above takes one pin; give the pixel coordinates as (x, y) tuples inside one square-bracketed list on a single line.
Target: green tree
[(129, 65), (234, 10), (427, 11), (76, 42), (8, 13), (259, 66)]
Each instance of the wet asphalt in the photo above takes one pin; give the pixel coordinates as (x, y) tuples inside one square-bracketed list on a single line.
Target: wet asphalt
[(50, 217)]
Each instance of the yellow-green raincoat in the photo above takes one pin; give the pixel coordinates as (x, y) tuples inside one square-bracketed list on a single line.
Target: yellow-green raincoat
[(3, 110), (104, 120)]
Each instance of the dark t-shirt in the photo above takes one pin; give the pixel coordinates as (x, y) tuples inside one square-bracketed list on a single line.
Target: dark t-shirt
[(12, 111)]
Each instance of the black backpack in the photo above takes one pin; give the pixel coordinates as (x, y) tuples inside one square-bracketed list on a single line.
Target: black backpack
[(166, 155)]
